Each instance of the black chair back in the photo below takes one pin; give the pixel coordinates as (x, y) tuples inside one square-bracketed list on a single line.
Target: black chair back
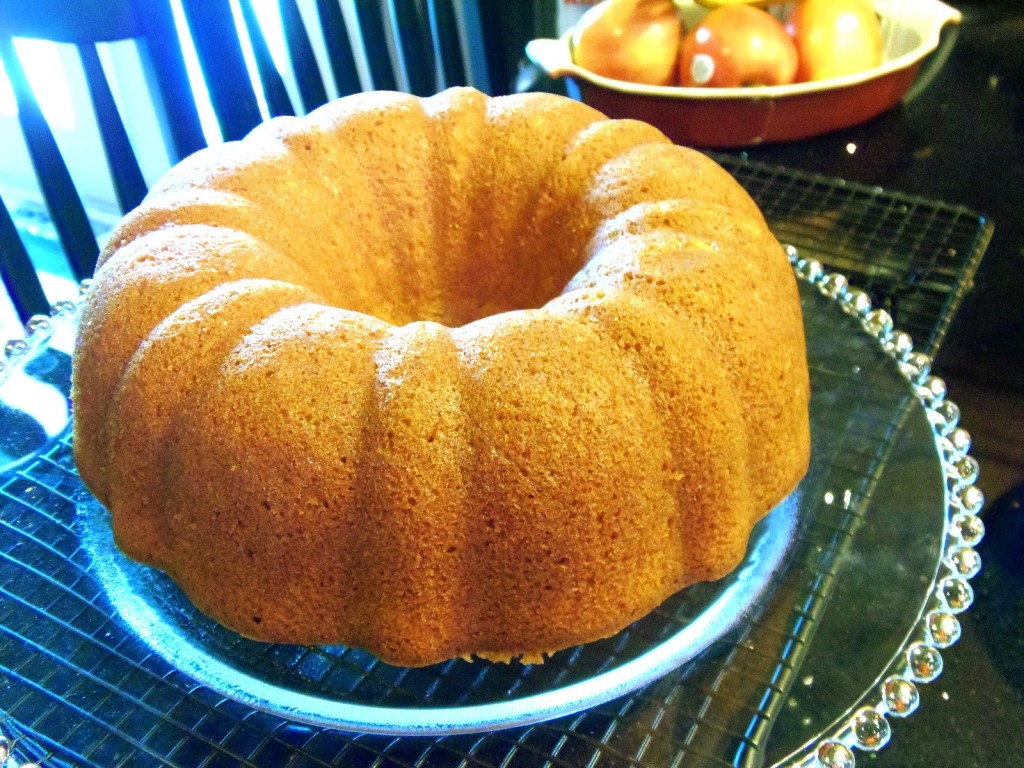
[(17, 273), (420, 46), (92, 22)]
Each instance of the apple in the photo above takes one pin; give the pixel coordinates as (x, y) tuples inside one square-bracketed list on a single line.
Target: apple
[(835, 38), (634, 40), (737, 45)]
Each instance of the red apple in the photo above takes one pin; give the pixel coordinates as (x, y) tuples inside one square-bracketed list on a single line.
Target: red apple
[(737, 45), (835, 38), (634, 40)]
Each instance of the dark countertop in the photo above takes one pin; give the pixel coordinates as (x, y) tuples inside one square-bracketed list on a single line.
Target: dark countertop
[(961, 140)]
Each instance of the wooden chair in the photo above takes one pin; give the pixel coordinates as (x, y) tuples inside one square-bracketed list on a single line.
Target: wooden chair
[(92, 22), (151, 26), (420, 46), (17, 274)]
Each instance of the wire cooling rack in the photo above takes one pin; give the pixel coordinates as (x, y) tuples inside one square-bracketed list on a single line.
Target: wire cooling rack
[(915, 258), (77, 688)]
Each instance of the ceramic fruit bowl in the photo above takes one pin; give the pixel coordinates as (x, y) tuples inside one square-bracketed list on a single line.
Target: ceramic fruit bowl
[(736, 117)]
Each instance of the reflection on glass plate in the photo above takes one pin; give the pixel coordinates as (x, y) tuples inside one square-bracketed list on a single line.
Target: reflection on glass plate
[(34, 372)]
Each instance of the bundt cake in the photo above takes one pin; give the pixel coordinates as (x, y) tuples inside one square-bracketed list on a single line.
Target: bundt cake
[(441, 377)]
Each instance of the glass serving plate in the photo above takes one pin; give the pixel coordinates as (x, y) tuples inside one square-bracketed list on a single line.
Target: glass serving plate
[(842, 609)]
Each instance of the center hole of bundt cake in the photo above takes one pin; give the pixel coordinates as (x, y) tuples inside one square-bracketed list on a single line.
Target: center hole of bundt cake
[(457, 287)]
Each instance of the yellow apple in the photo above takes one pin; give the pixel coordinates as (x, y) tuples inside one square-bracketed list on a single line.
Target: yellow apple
[(835, 38), (634, 40)]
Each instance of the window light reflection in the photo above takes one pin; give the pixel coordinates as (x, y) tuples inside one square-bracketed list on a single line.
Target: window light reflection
[(44, 68)]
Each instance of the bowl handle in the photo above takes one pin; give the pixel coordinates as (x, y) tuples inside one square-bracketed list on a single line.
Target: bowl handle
[(947, 29), (551, 55)]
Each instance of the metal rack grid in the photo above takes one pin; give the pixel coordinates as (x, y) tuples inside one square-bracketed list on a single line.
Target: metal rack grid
[(80, 690), (916, 258)]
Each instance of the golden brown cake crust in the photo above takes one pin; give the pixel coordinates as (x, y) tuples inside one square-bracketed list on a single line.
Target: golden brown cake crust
[(441, 377)]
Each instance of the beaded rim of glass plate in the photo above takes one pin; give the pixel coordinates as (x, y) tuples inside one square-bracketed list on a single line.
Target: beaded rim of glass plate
[(867, 727)]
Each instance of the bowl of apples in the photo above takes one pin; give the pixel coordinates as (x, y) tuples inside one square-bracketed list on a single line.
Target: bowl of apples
[(733, 73)]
